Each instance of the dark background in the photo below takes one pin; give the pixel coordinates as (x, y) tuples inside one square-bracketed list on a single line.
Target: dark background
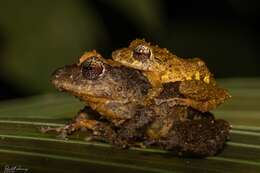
[(36, 37)]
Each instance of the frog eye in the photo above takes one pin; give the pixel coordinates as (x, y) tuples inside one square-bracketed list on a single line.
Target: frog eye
[(92, 68), (142, 53)]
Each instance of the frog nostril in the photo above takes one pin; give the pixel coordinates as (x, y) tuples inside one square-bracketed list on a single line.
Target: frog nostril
[(142, 53), (58, 73), (92, 69)]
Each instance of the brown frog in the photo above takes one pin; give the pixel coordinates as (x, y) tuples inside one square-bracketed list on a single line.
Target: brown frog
[(117, 93), (161, 66), (96, 81)]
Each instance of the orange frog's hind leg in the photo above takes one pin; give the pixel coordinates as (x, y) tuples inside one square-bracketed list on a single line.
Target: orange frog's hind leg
[(98, 129), (130, 133)]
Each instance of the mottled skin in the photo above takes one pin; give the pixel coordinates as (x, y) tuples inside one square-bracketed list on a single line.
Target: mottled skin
[(117, 95), (203, 98), (161, 67), (111, 94)]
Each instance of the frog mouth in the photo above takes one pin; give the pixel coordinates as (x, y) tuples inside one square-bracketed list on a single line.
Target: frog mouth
[(133, 64), (80, 92), (126, 60)]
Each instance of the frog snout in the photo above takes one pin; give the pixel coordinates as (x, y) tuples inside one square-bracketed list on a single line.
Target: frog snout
[(57, 74)]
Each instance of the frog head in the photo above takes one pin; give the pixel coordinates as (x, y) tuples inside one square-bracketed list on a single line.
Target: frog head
[(95, 78), (141, 55)]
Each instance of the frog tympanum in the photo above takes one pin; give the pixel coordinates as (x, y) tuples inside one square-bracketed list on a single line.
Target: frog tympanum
[(117, 112)]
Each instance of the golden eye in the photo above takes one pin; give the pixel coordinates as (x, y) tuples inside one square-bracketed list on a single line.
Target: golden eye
[(142, 53), (92, 68)]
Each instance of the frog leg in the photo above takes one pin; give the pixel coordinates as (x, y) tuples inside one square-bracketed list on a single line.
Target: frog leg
[(133, 131), (129, 133), (101, 131), (198, 95), (85, 119), (199, 90), (202, 96), (201, 137), (155, 80), (203, 106)]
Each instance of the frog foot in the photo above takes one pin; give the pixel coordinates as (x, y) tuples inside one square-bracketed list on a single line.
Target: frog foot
[(99, 131), (69, 128), (74, 126)]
